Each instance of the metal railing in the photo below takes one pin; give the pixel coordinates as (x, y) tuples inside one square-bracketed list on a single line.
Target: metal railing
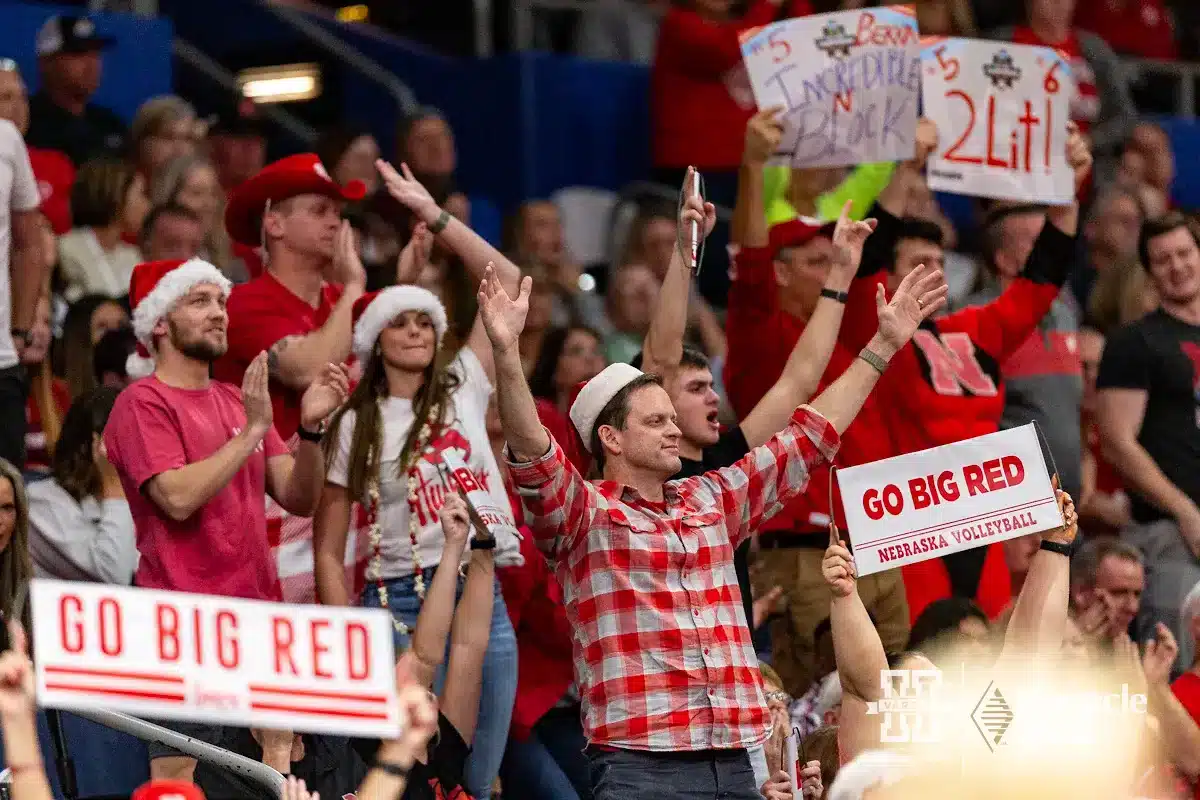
[(198, 60), (254, 771), (300, 22)]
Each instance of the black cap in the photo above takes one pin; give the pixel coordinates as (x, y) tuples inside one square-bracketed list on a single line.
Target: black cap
[(239, 118), (70, 35)]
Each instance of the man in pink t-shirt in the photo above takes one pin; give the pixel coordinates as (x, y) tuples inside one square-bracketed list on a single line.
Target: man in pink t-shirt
[(197, 457)]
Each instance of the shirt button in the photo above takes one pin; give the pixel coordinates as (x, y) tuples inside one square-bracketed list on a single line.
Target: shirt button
[(706, 651), (696, 611)]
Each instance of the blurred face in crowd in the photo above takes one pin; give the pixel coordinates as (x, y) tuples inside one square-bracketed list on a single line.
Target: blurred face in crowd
[(237, 157), (697, 406), (1057, 13), (1155, 146), (176, 138), (8, 513), (200, 193), (107, 317), (409, 342), (136, 207), (358, 163), (14, 102), (581, 360), (431, 147), (658, 244), (912, 253), (542, 233), (634, 296), (305, 225), (650, 440), (1174, 265), (173, 236), (1119, 583), (1091, 347), (801, 272), (197, 323), (76, 75), (1018, 232), (39, 335), (1114, 229)]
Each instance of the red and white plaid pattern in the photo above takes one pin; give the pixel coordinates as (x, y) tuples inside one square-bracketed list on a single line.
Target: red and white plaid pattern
[(291, 541), (663, 657)]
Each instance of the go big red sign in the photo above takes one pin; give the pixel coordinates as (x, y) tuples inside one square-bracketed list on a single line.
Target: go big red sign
[(960, 496), (216, 659)]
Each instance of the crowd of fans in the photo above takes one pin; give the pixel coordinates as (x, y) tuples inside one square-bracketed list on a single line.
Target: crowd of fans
[(239, 378)]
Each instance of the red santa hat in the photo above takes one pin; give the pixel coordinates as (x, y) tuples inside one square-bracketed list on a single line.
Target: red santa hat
[(288, 177), (156, 286), (374, 312), (596, 394), (167, 790)]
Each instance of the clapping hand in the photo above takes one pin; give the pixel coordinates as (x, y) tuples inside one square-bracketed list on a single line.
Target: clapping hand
[(503, 316), (920, 295), (256, 395), (348, 268), (324, 395), (415, 255)]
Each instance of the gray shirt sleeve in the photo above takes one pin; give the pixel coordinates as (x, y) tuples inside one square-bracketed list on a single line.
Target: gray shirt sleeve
[(88, 541)]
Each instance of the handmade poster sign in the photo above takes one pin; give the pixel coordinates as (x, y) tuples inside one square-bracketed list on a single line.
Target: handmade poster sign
[(848, 83), (169, 655), (1001, 111), (483, 506), (946, 499)]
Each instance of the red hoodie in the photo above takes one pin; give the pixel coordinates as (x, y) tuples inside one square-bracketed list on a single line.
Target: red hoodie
[(697, 72), (945, 386)]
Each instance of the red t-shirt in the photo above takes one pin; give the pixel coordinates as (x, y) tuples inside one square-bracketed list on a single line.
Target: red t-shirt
[(700, 93), (261, 312), (55, 175), (37, 457), (1085, 105), (221, 549), (1134, 27)]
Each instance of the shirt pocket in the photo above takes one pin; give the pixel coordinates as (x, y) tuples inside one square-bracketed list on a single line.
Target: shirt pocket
[(637, 544), (706, 534)]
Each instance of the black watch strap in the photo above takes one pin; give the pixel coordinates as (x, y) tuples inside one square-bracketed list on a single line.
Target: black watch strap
[(481, 543), (1057, 547), (21, 333), (311, 436), (395, 770), (841, 297)]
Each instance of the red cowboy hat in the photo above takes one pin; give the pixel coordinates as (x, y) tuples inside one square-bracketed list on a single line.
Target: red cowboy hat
[(288, 177)]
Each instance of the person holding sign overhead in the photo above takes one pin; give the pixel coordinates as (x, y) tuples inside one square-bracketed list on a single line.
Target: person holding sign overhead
[(948, 386), (413, 433), (670, 686)]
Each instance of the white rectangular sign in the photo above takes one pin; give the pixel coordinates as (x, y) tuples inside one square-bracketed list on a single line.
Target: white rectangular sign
[(848, 82), (170, 655), (956, 497), (1001, 111)]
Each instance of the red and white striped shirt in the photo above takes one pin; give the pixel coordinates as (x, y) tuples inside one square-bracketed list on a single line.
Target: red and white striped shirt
[(663, 657)]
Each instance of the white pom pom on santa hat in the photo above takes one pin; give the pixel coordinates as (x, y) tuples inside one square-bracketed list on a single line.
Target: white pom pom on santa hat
[(154, 287)]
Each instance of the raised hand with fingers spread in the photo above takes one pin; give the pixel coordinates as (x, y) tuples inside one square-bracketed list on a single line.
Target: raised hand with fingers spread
[(920, 295), (408, 191), (503, 316)]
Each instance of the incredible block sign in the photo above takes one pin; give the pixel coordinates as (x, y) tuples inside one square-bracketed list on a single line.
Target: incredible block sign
[(1001, 110), (956, 497), (192, 657), (848, 83)]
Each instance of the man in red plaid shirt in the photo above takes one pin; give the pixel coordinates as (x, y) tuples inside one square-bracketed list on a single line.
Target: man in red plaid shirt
[(667, 675)]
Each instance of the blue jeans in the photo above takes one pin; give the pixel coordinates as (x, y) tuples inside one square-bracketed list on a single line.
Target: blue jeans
[(499, 676), (702, 775), (550, 764)]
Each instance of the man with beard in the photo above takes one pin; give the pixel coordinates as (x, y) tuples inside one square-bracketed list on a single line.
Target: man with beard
[(196, 458)]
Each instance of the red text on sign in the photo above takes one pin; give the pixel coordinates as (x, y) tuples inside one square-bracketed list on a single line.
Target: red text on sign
[(933, 490), (1019, 156), (74, 625), (313, 639), (998, 473), (882, 35), (202, 634)]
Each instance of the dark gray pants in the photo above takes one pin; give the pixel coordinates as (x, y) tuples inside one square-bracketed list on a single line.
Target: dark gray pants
[(703, 775)]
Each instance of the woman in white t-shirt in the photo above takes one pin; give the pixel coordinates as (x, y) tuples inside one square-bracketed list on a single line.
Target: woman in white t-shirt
[(416, 416)]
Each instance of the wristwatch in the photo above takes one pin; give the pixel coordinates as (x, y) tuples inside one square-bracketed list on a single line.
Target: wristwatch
[(312, 436), (23, 334), (1057, 547)]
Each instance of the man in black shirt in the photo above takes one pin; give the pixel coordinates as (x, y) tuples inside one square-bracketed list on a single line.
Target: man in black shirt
[(61, 118), (1149, 418)]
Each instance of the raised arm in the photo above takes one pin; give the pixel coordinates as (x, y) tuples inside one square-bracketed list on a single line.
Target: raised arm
[(857, 649), (663, 347), (179, 493), (297, 361), (1179, 732), (468, 645), (1039, 617), (295, 482), (437, 612), (809, 358)]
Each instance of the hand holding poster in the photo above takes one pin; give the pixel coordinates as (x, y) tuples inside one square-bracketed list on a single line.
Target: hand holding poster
[(1001, 112), (170, 655), (847, 81), (947, 499)]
